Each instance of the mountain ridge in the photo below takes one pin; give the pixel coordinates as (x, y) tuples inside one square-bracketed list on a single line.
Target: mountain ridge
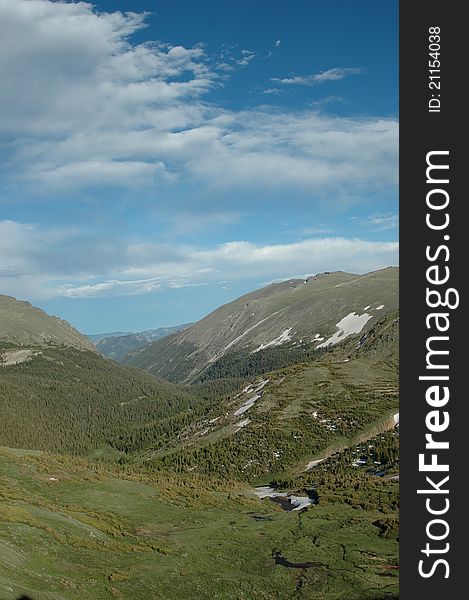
[(25, 324), (118, 345), (318, 311)]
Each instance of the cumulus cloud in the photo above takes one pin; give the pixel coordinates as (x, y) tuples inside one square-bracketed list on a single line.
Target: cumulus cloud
[(83, 105), (71, 76), (42, 263), (330, 75)]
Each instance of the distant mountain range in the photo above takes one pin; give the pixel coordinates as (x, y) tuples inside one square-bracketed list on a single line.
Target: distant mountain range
[(117, 345), (263, 326)]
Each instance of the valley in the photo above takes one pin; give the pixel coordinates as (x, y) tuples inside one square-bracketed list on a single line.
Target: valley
[(72, 530), (117, 345), (253, 454), (199, 300)]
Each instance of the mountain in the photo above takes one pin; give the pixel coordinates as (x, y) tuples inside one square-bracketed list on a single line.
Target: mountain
[(23, 324), (58, 393), (270, 325), (278, 422), (117, 345), (96, 337), (68, 400)]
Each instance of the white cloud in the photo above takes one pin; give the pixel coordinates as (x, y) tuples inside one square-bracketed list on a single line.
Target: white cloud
[(274, 91), (42, 263), (330, 75), (246, 57), (383, 222), (115, 287), (83, 105), (306, 150), (71, 76)]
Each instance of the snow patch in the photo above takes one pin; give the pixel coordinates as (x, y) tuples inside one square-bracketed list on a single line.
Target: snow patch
[(380, 307), (350, 324), (238, 338), (268, 492), (242, 424), (252, 387), (247, 405), (396, 419), (298, 502), (313, 463), (278, 341), (247, 389), (367, 307), (262, 384)]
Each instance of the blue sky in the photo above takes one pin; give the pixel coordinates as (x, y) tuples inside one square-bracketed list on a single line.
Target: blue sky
[(160, 162)]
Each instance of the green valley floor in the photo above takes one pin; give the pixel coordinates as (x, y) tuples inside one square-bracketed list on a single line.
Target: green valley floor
[(71, 530)]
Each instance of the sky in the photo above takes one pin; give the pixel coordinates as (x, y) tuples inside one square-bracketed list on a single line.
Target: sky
[(159, 159)]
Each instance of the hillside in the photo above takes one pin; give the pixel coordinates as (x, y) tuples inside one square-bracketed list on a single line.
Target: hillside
[(57, 393), (23, 324), (264, 326), (118, 345), (74, 401), (279, 422)]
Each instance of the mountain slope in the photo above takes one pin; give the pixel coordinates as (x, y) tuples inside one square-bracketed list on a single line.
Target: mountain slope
[(316, 313), (280, 421), (21, 323), (116, 345), (74, 401), (58, 393)]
